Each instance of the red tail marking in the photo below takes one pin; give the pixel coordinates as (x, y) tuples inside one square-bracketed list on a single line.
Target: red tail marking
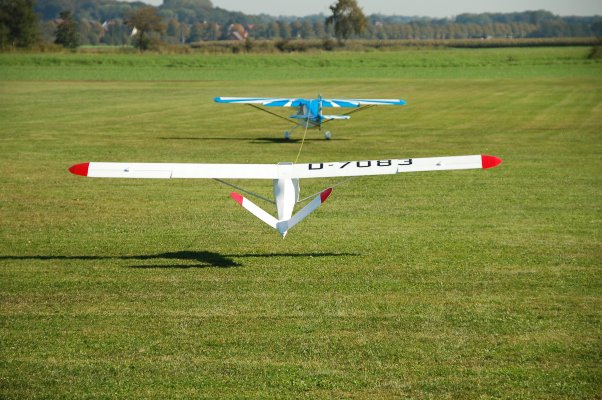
[(80, 169), (237, 197), (324, 195), (490, 161)]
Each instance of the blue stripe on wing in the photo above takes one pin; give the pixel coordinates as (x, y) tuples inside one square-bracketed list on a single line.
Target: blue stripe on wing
[(338, 103), (264, 101), (361, 102), (296, 102), (285, 103)]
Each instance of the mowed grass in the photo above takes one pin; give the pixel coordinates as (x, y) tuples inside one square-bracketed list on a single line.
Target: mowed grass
[(460, 284)]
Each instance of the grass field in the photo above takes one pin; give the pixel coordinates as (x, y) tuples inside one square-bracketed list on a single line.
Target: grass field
[(461, 284), (320, 67)]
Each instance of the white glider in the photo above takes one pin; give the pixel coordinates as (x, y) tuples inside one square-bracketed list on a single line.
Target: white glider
[(285, 177)]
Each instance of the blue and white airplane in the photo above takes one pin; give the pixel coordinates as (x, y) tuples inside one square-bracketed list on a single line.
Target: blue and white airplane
[(309, 111)]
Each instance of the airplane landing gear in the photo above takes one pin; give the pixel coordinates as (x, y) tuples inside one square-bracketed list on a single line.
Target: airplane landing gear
[(327, 135), (287, 135)]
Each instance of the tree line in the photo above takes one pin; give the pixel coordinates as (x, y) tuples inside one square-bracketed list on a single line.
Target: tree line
[(93, 22)]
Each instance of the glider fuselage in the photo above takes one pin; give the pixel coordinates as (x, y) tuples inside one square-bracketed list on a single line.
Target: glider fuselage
[(286, 191)]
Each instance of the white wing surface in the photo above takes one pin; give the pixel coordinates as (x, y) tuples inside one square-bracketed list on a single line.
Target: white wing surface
[(280, 171), (171, 170), (393, 166)]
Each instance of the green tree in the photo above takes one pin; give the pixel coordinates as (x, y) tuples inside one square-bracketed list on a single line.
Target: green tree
[(319, 29), (187, 3), (307, 30), (18, 23), (204, 31), (175, 32), (296, 29), (273, 30), (285, 29), (66, 31), (597, 28), (145, 21), (347, 18)]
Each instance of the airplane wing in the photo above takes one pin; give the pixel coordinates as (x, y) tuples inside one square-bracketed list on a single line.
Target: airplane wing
[(393, 166), (361, 102), (175, 170), (296, 102), (263, 101), (278, 171)]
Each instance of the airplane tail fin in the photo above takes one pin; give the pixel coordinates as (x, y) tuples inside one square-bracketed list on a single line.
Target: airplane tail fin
[(309, 208), (255, 209), (282, 226)]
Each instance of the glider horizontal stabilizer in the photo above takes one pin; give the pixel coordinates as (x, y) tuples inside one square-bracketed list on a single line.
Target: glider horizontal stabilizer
[(255, 210), (309, 208), (284, 225)]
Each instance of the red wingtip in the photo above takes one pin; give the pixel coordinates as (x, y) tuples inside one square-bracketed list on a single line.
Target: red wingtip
[(80, 169), (324, 195), (237, 197), (490, 161)]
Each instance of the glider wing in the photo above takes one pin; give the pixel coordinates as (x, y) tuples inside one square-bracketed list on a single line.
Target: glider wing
[(171, 170), (278, 171), (393, 166)]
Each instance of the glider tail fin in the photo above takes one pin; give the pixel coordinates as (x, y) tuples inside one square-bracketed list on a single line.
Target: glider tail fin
[(309, 208), (255, 209), (285, 225)]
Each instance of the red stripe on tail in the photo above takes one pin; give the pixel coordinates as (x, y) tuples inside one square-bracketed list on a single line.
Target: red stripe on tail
[(324, 195), (237, 197)]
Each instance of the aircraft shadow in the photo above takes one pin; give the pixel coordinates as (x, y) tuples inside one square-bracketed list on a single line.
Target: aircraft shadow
[(234, 139), (255, 140), (193, 259), (295, 140)]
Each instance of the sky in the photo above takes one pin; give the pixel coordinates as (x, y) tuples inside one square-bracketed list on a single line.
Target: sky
[(426, 8)]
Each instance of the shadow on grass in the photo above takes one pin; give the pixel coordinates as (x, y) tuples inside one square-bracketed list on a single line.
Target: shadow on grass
[(283, 140), (195, 259), (233, 139), (261, 140)]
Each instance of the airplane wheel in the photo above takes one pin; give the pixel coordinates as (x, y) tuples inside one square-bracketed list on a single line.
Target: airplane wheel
[(327, 135), (287, 135)]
